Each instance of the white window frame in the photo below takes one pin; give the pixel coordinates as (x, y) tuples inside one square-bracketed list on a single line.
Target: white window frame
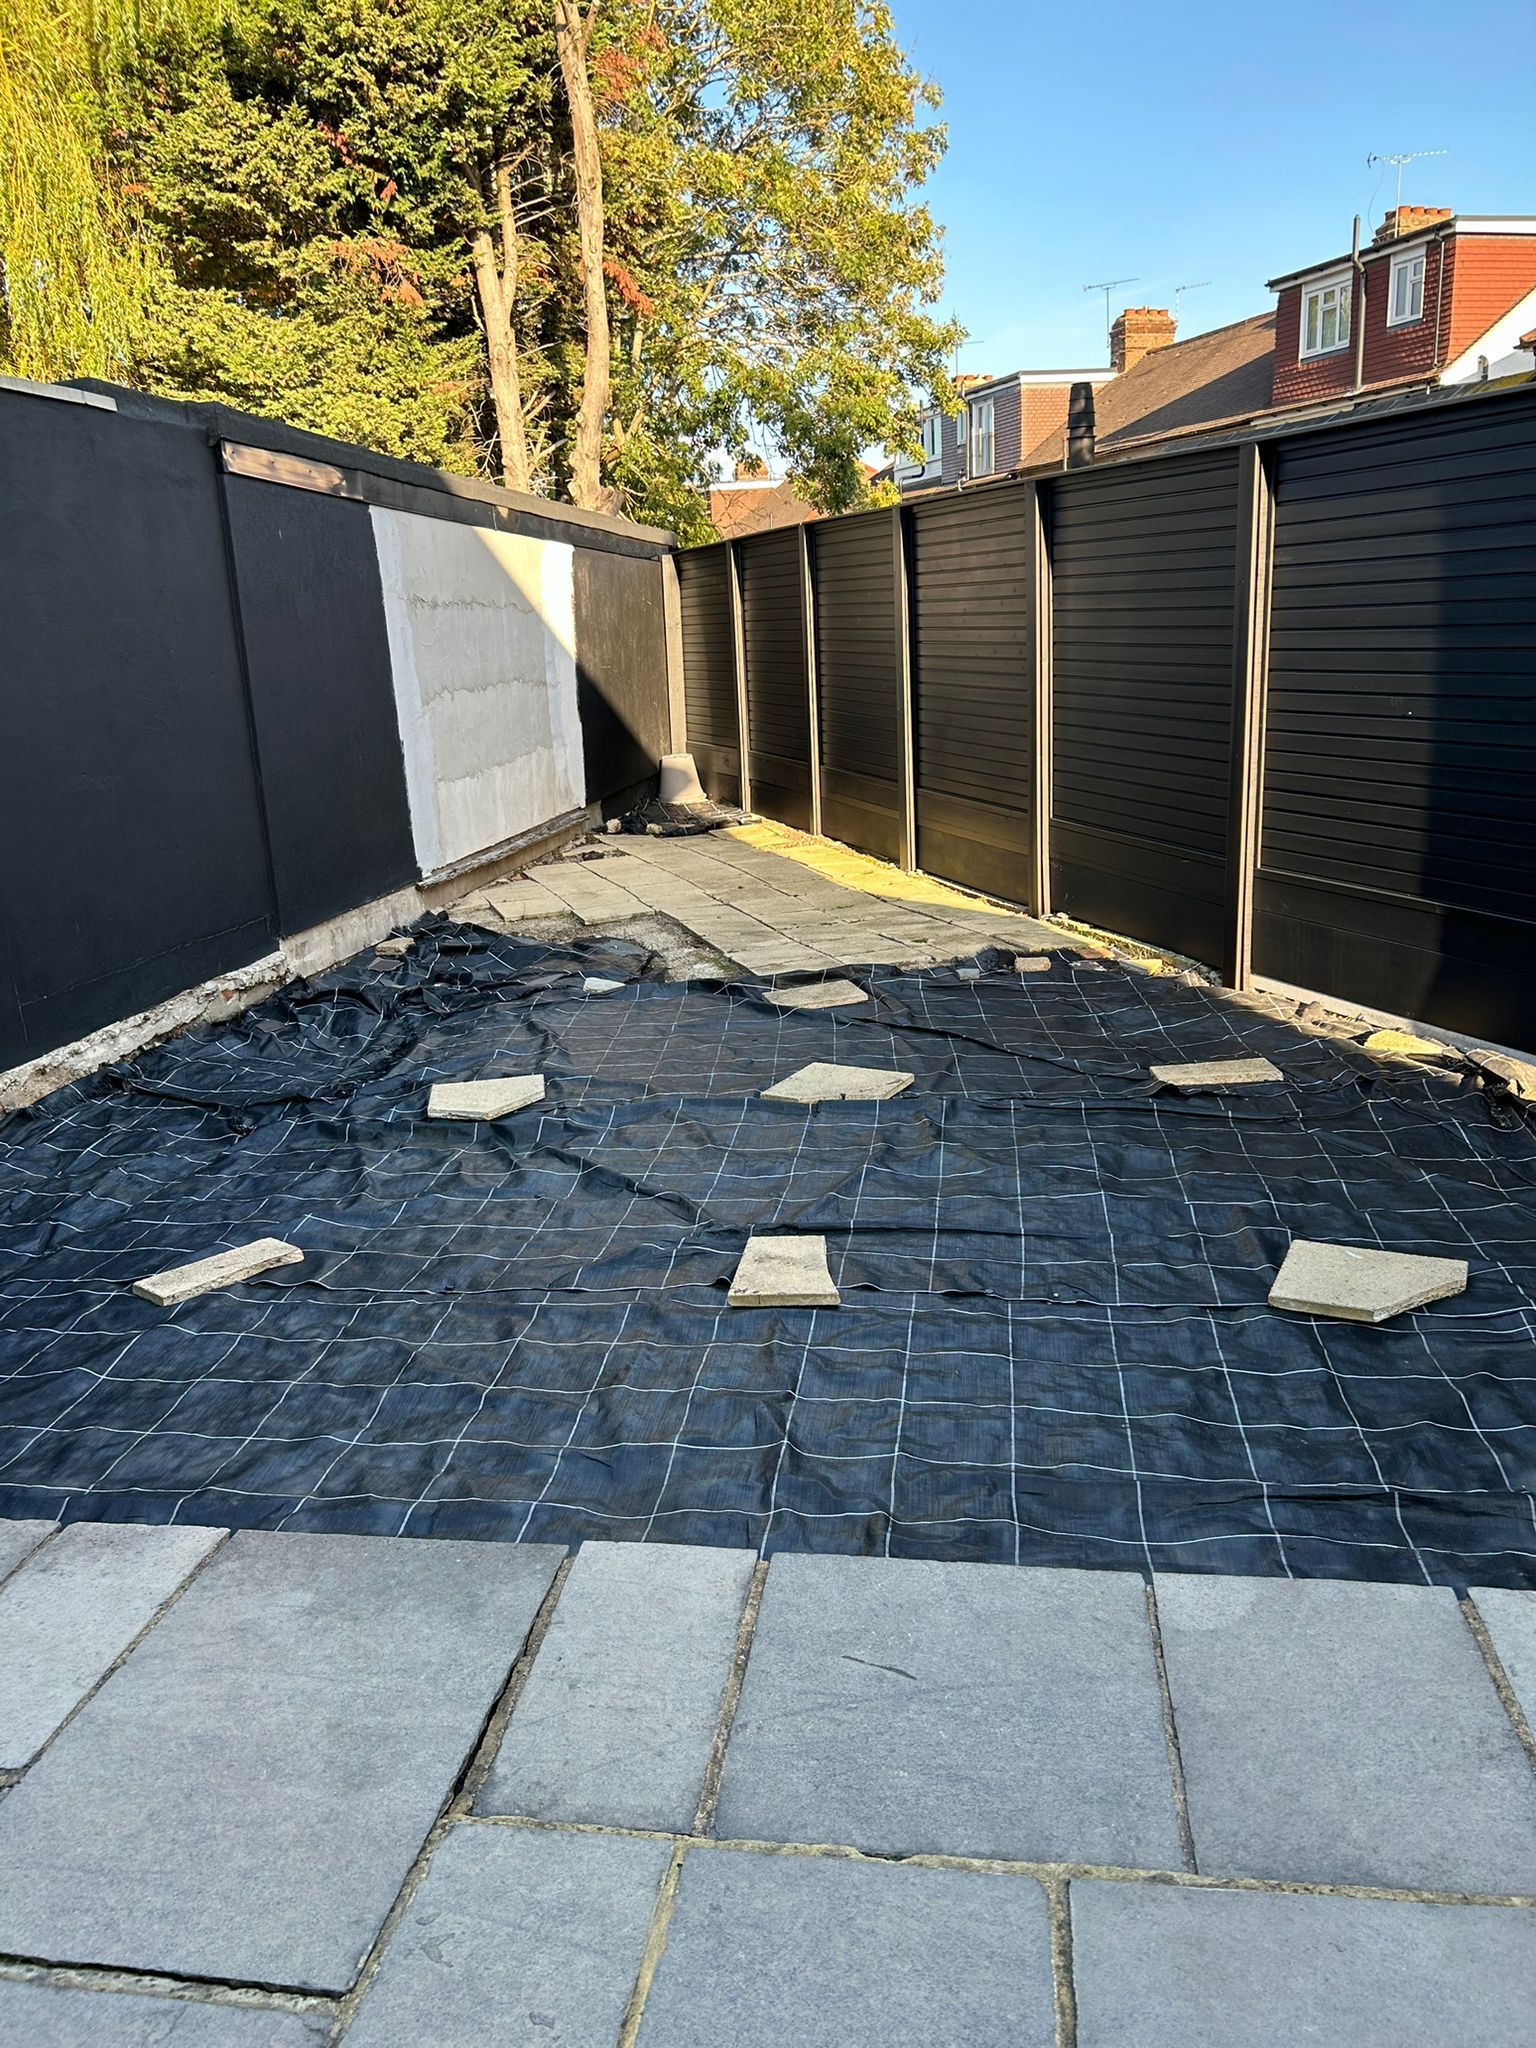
[(931, 433), (1318, 289), (1405, 264), (982, 436)]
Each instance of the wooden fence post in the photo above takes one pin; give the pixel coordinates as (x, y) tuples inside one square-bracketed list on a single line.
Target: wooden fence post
[(1040, 798), (1250, 690), (739, 665), (813, 701), (906, 758)]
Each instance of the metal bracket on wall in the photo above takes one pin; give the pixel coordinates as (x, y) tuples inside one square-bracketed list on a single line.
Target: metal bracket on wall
[(906, 756), (739, 668), (813, 700), (1037, 541), (1250, 690)]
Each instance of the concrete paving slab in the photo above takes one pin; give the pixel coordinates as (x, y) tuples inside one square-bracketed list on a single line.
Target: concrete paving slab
[(1360, 1284), (517, 1937), (244, 1796), (1510, 1619), (1034, 963), (618, 1715), (484, 1101), (825, 1081), (901, 1705), (818, 995), (72, 1610), (522, 899), (19, 1540), (784, 1272), (1344, 1734), (222, 1269), (1215, 1073), (1162, 1966), (395, 948), (821, 1952), (34, 2015)]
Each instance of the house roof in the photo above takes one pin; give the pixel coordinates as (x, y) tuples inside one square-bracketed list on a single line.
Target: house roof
[(754, 504), (1222, 376)]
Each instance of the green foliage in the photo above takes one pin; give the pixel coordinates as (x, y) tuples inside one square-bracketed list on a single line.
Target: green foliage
[(763, 156), (274, 202)]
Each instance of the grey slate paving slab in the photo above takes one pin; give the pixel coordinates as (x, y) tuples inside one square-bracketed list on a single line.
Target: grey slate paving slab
[(1510, 1619), (1158, 1966), (1346, 1734), (901, 1705), (72, 1610), (821, 1952), (618, 1714), (244, 1796), (52, 2016), (521, 1938), (19, 1540)]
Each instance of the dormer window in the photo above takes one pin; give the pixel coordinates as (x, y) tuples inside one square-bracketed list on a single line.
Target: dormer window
[(929, 428), (1325, 316), (1405, 290), (982, 444)]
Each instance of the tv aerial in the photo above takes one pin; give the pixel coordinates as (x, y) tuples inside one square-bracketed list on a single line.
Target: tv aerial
[(1178, 296), (1398, 160), (1106, 287)]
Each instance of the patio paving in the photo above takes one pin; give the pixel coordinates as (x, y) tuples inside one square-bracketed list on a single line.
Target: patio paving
[(390, 1793)]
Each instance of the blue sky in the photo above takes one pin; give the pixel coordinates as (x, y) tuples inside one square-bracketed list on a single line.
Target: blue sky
[(1178, 142)]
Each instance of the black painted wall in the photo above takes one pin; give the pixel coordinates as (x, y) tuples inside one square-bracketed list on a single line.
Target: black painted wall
[(322, 702), (621, 651), (200, 750), (133, 854)]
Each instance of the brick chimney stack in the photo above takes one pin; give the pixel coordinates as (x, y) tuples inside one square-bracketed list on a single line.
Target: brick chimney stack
[(1403, 220), (1138, 331), (751, 469)]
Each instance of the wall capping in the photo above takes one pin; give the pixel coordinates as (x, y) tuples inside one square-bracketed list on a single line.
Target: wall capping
[(505, 511)]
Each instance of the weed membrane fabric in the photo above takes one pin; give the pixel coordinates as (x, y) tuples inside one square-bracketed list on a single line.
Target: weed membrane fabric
[(1054, 1345)]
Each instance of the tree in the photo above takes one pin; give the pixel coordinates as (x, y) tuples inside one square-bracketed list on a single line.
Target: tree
[(584, 245), (573, 38), (771, 273), (343, 176), (73, 268)]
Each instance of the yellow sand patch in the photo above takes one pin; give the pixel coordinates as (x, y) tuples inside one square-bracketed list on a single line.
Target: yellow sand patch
[(863, 872)]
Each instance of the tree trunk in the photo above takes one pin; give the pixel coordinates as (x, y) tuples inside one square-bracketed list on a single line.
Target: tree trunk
[(497, 290), (571, 36)]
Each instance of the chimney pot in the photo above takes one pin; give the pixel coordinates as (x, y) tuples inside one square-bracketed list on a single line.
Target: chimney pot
[(1138, 331), (1405, 220)]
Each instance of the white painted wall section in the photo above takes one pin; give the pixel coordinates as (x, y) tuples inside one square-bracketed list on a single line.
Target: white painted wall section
[(482, 642)]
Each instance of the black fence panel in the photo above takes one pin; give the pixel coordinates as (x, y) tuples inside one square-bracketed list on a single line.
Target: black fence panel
[(973, 689), (322, 702), (858, 681), (709, 669), (1143, 578), (133, 859), (1398, 859), (621, 648), (778, 692)]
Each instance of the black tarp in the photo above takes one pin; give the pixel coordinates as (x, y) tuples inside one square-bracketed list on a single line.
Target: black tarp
[(1054, 1345)]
